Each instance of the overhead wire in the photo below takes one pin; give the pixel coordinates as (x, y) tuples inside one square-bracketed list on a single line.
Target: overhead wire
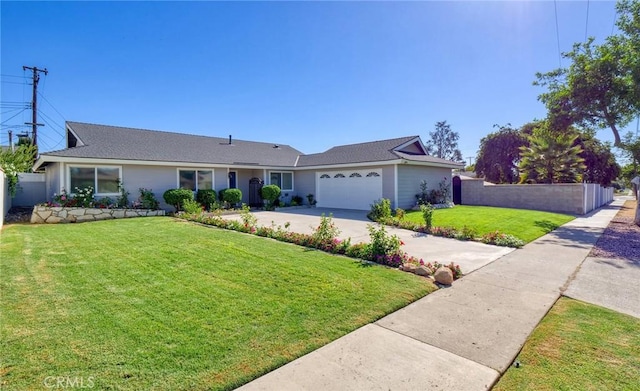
[(586, 26), (12, 117), (52, 106), (555, 5)]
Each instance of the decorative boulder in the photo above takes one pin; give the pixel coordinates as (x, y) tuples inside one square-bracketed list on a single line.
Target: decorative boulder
[(408, 267), (423, 271), (444, 275)]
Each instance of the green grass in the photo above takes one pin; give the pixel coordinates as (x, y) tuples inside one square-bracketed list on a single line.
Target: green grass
[(579, 346), (155, 303), (527, 225)]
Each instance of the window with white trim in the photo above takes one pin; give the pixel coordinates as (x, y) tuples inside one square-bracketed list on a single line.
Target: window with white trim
[(103, 179), (284, 180), (195, 179)]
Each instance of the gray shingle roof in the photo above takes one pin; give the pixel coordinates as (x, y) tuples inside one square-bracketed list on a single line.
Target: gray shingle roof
[(113, 142), (121, 143), (374, 151)]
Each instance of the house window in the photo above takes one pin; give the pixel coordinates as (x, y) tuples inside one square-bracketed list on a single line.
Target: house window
[(195, 179), (339, 176), (372, 174), (284, 180), (324, 176), (355, 175), (104, 180)]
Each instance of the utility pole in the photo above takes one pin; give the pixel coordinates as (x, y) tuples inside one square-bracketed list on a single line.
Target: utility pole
[(470, 157), (34, 101), (11, 140)]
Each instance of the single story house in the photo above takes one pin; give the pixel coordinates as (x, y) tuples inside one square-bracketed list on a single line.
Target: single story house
[(347, 176)]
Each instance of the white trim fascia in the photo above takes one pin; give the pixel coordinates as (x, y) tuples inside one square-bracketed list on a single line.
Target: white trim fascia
[(330, 167), (417, 138), (432, 164), (82, 160)]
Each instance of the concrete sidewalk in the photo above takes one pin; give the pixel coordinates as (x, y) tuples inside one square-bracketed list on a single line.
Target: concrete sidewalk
[(462, 337)]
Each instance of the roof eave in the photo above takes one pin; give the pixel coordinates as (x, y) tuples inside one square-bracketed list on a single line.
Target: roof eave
[(45, 159)]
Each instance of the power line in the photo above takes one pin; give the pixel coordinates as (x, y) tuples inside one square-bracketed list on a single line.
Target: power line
[(16, 76), (615, 17), (12, 117), (13, 82), (52, 106), (555, 6), (52, 127), (586, 26)]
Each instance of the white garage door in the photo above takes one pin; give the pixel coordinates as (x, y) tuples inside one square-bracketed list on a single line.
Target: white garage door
[(349, 189)]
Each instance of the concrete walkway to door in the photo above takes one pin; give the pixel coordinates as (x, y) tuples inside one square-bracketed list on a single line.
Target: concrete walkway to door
[(353, 224)]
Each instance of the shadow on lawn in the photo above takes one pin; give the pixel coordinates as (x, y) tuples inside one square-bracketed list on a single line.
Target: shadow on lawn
[(546, 225)]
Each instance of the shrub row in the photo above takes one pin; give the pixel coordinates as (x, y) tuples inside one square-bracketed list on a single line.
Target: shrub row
[(383, 249), (183, 199), (381, 213)]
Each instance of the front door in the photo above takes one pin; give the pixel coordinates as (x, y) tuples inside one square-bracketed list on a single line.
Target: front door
[(457, 190)]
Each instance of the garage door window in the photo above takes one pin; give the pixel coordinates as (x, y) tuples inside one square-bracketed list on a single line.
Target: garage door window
[(284, 180)]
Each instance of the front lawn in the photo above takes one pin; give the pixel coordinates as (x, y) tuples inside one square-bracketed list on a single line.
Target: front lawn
[(579, 346), (156, 303), (527, 225)]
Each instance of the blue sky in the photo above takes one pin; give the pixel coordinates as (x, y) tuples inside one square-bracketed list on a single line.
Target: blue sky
[(311, 75)]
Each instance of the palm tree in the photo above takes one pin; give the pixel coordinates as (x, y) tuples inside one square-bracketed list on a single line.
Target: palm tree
[(551, 157)]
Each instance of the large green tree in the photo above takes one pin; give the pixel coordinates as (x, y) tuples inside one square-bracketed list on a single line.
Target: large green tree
[(16, 162), (600, 162), (601, 86), (499, 155), (444, 143), (551, 157)]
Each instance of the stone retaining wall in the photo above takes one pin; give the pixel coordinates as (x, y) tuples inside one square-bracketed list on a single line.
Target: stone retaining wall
[(54, 215)]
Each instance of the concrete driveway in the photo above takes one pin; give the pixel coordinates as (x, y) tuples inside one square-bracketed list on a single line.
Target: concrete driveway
[(353, 224)]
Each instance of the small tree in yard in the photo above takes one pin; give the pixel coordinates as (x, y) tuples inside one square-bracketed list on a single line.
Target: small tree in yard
[(271, 194)]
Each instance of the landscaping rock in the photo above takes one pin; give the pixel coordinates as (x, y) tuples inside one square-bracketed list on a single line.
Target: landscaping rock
[(53, 220), (408, 267), (423, 271), (36, 219), (444, 275)]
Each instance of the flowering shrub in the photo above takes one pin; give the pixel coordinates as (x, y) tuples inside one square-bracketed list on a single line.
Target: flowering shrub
[(501, 239), (327, 231), (383, 249), (147, 199), (84, 198), (466, 233)]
